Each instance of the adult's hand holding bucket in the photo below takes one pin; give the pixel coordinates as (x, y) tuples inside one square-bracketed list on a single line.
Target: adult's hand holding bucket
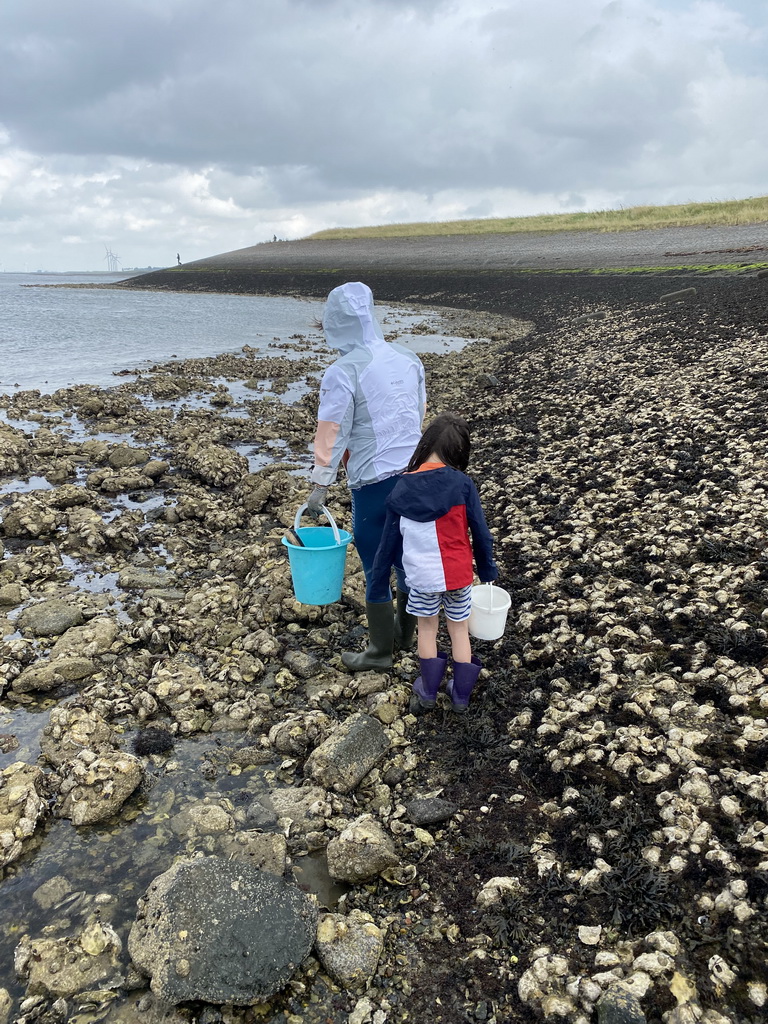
[(489, 612), (317, 568)]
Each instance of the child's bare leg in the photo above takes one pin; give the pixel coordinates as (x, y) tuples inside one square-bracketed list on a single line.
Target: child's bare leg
[(461, 649), (427, 636)]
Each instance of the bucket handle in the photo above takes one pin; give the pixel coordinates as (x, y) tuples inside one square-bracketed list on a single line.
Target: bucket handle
[(328, 516)]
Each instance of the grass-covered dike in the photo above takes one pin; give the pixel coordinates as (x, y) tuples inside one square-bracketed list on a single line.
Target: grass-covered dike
[(634, 218)]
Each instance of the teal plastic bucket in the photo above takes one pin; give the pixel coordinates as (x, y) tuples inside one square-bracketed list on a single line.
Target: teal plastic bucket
[(317, 569)]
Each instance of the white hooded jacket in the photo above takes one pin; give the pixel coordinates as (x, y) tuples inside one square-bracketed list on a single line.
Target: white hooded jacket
[(372, 398)]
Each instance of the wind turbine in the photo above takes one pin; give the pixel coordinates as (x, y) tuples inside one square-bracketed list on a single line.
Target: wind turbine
[(113, 261)]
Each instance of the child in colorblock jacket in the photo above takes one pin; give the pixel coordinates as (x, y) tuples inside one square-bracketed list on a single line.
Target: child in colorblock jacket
[(435, 524)]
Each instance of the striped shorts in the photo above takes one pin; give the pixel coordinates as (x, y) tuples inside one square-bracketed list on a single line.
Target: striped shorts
[(457, 603)]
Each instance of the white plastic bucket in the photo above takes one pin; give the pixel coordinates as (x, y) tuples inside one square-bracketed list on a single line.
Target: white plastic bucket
[(489, 612)]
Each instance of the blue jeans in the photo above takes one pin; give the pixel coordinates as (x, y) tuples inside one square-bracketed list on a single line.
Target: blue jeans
[(368, 515)]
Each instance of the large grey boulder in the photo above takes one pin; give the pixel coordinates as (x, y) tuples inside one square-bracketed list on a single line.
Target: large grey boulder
[(343, 760), (123, 456), (48, 675), (11, 594), (49, 618), (221, 931), (87, 641)]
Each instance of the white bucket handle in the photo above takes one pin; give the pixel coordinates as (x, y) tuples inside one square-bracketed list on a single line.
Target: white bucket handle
[(329, 517)]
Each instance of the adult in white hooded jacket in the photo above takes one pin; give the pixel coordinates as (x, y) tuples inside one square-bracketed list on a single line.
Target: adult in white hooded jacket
[(372, 405)]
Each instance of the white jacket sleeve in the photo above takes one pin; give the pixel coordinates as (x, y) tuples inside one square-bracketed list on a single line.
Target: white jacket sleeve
[(334, 424)]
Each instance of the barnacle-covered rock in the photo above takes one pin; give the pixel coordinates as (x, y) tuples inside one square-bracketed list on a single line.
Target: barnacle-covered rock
[(95, 786), (85, 530), (71, 730), (361, 851), (186, 693), (30, 516), (214, 464), (254, 491), (349, 947), (14, 448), (61, 968), (22, 806), (297, 733)]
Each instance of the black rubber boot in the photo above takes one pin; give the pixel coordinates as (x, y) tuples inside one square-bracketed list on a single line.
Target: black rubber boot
[(405, 623), (381, 636)]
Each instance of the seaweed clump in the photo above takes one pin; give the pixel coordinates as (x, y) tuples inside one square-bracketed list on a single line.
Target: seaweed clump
[(152, 740)]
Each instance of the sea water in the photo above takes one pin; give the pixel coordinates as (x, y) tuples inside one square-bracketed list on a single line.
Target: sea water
[(53, 337)]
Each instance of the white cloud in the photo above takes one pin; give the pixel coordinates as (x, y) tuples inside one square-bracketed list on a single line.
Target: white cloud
[(198, 127)]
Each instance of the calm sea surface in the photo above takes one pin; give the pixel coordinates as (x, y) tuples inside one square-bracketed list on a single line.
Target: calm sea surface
[(54, 337)]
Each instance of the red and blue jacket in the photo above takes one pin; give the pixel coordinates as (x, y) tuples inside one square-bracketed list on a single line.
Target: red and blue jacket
[(430, 516)]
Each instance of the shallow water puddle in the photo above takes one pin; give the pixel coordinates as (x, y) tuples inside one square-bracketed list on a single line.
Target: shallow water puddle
[(242, 392), (273, 452), (86, 578), (20, 731), (111, 864), (311, 874), (28, 426), (35, 483), (145, 501)]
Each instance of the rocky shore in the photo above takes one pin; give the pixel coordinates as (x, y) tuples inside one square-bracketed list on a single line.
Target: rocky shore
[(589, 843)]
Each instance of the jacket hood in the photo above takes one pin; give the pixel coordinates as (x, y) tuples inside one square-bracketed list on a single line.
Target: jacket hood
[(348, 317), (428, 495)]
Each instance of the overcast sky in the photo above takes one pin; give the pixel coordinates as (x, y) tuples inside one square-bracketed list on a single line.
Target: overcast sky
[(152, 127)]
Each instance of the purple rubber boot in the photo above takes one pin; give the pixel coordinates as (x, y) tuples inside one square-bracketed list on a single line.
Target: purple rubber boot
[(459, 688), (428, 683)]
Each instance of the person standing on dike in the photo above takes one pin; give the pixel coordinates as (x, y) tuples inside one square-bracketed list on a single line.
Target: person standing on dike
[(372, 405), (431, 513)]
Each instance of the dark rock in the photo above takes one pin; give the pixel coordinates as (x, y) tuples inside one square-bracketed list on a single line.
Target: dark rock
[(619, 1006), (429, 810), (260, 816), (394, 776), (302, 664), (221, 931)]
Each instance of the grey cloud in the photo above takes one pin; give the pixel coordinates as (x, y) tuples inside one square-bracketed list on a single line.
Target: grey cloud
[(371, 95), (377, 107)]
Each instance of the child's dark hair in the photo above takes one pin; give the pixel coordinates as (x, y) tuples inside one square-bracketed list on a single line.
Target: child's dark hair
[(447, 436)]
